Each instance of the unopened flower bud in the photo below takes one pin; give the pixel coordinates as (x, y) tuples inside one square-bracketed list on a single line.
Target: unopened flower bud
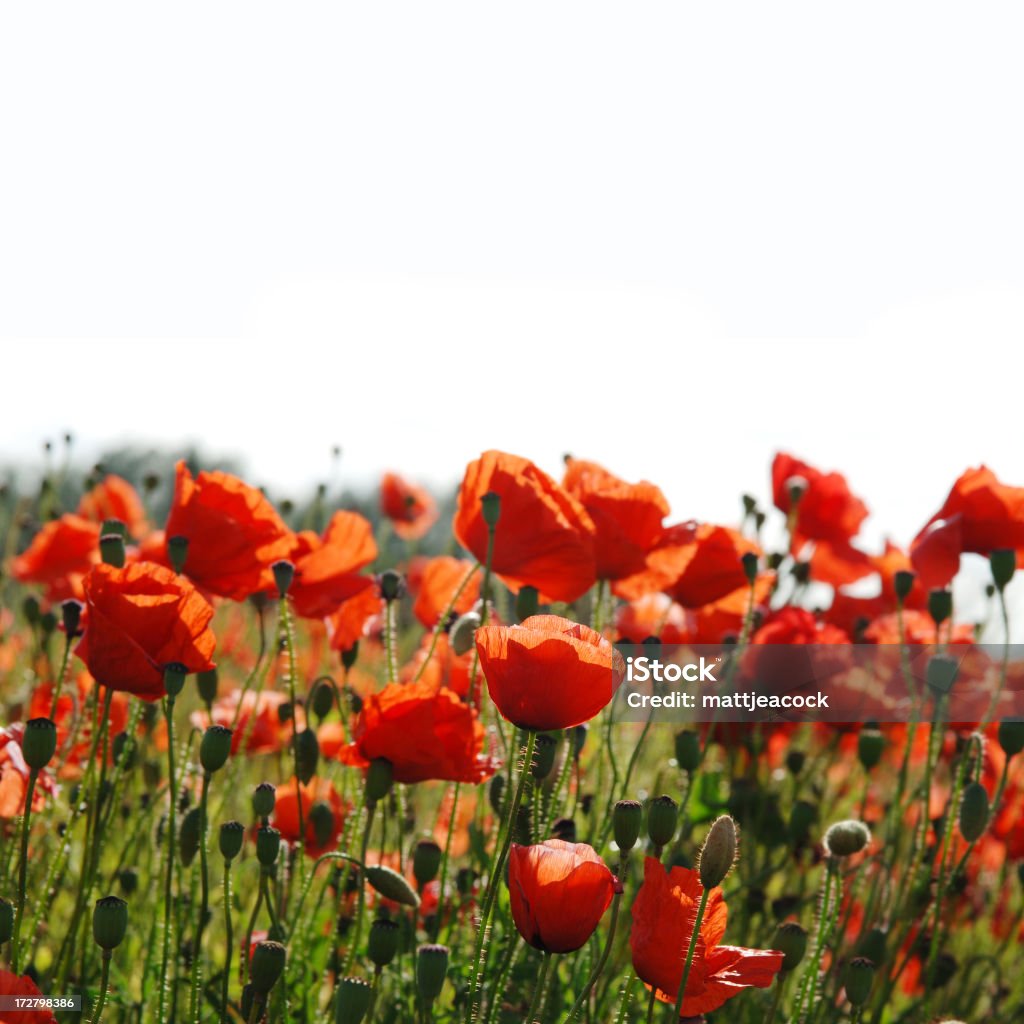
[(128, 879), (39, 742), (974, 810), (662, 817), (266, 965), (426, 861), (177, 552), (431, 968), (463, 633), (109, 922), (174, 678), (627, 819), (688, 752), (845, 838), (307, 755), (352, 1002), (490, 508), (379, 778), (232, 835), (112, 551), (321, 700), (749, 560), (564, 829), (391, 885), (791, 941), (870, 746), (349, 656), (206, 684), (321, 817), (903, 583), (940, 604), (718, 853), (527, 602), (268, 842), (392, 585), (1003, 564), (1011, 736), (214, 748), (858, 979), (382, 943), (284, 573), (264, 797), (795, 761), (71, 614)]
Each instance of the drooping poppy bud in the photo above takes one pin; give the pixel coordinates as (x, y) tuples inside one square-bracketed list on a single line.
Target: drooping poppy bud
[(206, 684), (322, 699), (188, 835), (870, 746), (109, 922), (463, 633), (718, 854), (391, 885), (232, 835), (307, 755), (1003, 563), (39, 742), (845, 838), (1011, 736), (379, 778)]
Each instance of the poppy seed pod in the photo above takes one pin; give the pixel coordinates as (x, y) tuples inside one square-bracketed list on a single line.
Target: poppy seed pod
[(264, 797), (177, 552), (426, 861), (391, 885), (490, 508), (974, 810), (232, 835), (431, 968), (382, 943), (352, 1002), (266, 965), (321, 817), (941, 674), (845, 838), (858, 979), (662, 818), (174, 678), (109, 922), (188, 835), (71, 614), (307, 755), (1011, 736), (903, 583), (749, 562), (268, 842), (321, 700), (349, 656), (379, 778), (545, 748), (284, 573), (870, 746), (527, 602), (392, 585), (940, 604), (112, 550), (462, 635), (214, 748), (790, 940), (6, 920), (1003, 563), (718, 853), (688, 752), (39, 742), (128, 879), (627, 818), (206, 684)]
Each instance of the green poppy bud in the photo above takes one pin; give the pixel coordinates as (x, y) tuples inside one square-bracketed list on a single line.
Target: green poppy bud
[(870, 746), (39, 742), (903, 583), (749, 560), (266, 965), (112, 550), (264, 797), (214, 748), (30, 609), (688, 752), (321, 817), (845, 838), (1011, 736), (128, 879), (307, 755), (426, 861), (177, 552), (791, 941), (382, 943), (188, 835), (321, 700), (352, 1002), (490, 509), (109, 922), (462, 635), (545, 748), (718, 854), (662, 818), (527, 602), (974, 811), (795, 761), (941, 674), (349, 656), (1003, 564), (940, 604), (206, 684), (379, 778), (579, 739), (627, 819), (391, 885), (392, 585), (284, 573), (6, 920), (268, 842), (495, 792), (174, 678), (431, 968), (873, 945), (231, 837), (858, 979)]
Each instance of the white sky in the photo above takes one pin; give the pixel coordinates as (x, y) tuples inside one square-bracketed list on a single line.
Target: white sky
[(673, 238)]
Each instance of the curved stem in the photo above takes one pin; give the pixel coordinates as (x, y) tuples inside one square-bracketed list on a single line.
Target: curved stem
[(701, 907), (592, 981)]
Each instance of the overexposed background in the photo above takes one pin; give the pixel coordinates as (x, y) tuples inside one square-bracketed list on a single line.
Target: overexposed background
[(673, 238)]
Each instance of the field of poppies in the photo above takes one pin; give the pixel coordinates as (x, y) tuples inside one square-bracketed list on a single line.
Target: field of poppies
[(268, 764)]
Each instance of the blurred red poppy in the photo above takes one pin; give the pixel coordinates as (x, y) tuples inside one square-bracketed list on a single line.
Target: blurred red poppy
[(349, 622), (318, 839), (14, 773), (425, 733), (114, 498), (441, 577), (13, 986), (233, 532), (652, 615), (60, 555), (142, 618), (544, 538), (827, 509), (559, 893), (663, 918), (411, 509), (548, 672)]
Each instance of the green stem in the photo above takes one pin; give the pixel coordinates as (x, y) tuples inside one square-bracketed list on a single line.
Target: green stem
[(361, 908), (204, 901), (23, 868), (229, 949), (169, 881), (538, 991), (104, 982), (592, 981), (701, 907)]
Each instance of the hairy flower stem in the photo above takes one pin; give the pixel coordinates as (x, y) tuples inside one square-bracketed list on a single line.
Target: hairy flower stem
[(599, 967), (165, 954), (204, 902), (58, 685), (97, 1015), (538, 991), (357, 935), (701, 907), (23, 868), (806, 996), (288, 629), (225, 1016)]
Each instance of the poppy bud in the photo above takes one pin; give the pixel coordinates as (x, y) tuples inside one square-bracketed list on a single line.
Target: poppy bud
[(174, 678), (307, 755), (579, 739), (353, 1001), (544, 752), (71, 613), (627, 817), (1003, 563), (749, 562), (284, 573), (973, 811), (940, 604), (858, 979), (382, 944), (426, 861), (463, 633), (662, 817), (109, 922), (431, 968), (465, 879), (206, 684), (392, 585), (870, 745), (128, 879), (39, 742), (349, 656), (188, 836), (1011, 736), (688, 752), (391, 885), (845, 838), (214, 748), (795, 760), (379, 777), (6, 920), (527, 602), (268, 842), (264, 797), (495, 792), (941, 674), (177, 552), (322, 699), (490, 508), (791, 941), (321, 817), (232, 835), (801, 818), (112, 550), (718, 853), (266, 965)]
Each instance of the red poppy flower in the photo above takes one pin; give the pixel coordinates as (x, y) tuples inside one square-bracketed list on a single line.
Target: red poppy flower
[(349, 623), (713, 622), (559, 893), (846, 609), (114, 498), (286, 813), (979, 515), (827, 510), (424, 733), (548, 672), (627, 517), (14, 773), (60, 554), (142, 618), (440, 579), (444, 667), (652, 615), (663, 917), (544, 538), (233, 532), (13, 986), (411, 509)]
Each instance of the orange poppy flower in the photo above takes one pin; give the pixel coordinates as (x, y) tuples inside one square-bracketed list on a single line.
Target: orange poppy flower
[(713, 622), (60, 554), (846, 609), (548, 672), (286, 813), (233, 532), (440, 579), (14, 773), (411, 509), (14, 986), (353, 619), (827, 510), (114, 498), (652, 615), (627, 517), (918, 628), (663, 917), (544, 538), (140, 619), (445, 667), (424, 733), (559, 893)]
